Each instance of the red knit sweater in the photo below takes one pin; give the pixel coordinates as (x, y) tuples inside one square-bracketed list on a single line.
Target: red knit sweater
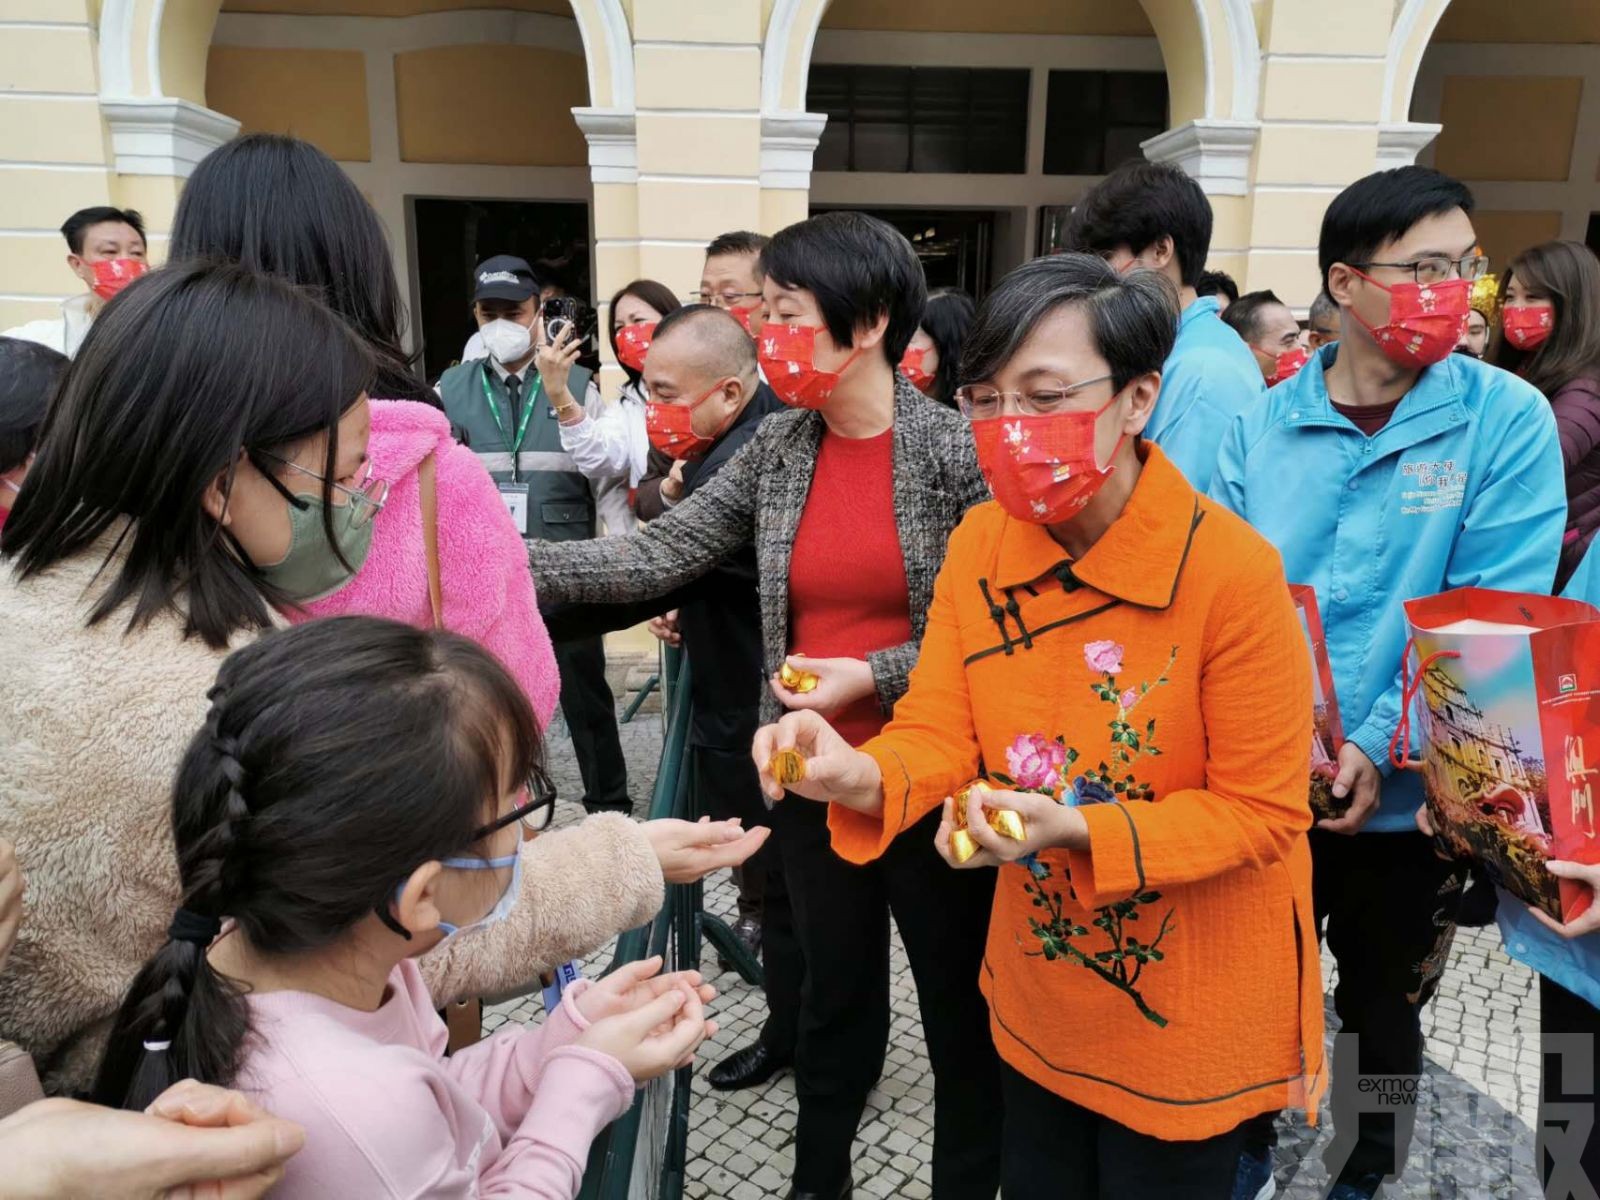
[(847, 574)]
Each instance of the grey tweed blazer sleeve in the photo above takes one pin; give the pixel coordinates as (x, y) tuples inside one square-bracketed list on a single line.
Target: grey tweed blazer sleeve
[(759, 497)]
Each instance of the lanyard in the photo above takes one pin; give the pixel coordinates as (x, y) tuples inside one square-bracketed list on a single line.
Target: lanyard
[(522, 426)]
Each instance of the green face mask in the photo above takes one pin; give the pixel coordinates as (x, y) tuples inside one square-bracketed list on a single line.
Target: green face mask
[(311, 569)]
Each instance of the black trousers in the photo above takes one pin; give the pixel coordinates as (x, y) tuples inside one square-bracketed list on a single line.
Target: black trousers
[(591, 713), (1386, 904), (729, 787), (841, 913), (1569, 1144), (1058, 1150)]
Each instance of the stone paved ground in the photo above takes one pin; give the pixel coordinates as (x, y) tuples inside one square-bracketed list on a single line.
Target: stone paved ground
[(1476, 1112)]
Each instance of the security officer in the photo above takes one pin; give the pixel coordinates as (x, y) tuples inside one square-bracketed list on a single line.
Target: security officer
[(508, 411)]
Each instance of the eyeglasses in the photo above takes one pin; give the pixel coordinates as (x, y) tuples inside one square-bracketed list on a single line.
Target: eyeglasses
[(366, 497), (537, 810), (1436, 268), (722, 299), (980, 402)]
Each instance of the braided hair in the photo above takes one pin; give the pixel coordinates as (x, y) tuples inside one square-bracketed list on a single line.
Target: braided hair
[(337, 757)]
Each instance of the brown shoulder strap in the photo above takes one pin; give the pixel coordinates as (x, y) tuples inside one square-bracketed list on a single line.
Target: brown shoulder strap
[(430, 537)]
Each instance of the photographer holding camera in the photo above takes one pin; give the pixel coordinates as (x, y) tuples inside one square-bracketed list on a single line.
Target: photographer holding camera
[(508, 408)]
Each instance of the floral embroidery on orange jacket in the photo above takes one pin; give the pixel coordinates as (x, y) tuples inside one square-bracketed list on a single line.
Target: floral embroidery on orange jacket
[(1166, 976)]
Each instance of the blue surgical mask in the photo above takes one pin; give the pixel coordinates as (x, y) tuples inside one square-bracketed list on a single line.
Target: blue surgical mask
[(502, 908)]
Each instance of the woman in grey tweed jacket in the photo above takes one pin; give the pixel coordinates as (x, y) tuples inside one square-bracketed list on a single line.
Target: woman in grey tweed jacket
[(858, 284)]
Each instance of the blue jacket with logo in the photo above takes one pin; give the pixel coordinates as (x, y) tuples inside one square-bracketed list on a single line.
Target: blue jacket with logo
[(1574, 963), (1464, 487), (1208, 379)]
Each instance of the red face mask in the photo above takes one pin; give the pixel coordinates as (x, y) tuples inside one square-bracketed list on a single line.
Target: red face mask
[(911, 368), (670, 427), (1426, 320), (787, 356), (1042, 469), (111, 275), (633, 343), (742, 314), (1289, 364), (1526, 327)]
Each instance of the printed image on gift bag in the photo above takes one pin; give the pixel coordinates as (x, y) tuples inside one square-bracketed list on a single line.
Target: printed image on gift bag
[(1484, 746), (1566, 670), (1327, 733)]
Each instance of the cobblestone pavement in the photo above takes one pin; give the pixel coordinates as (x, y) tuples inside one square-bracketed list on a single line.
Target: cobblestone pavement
[(1476, 1108)]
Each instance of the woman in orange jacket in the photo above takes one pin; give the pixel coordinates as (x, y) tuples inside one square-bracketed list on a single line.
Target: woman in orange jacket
[(1120, 660)]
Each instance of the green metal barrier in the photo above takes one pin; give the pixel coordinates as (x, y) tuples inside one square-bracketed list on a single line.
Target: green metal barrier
[(644, 1153), (641, 1156)]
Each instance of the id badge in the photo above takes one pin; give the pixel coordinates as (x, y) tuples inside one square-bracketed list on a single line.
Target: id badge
[(565, 976), (515, 498)]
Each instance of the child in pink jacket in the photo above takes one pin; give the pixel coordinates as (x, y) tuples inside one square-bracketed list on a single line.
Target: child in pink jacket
[(323, 846), (483, 565)]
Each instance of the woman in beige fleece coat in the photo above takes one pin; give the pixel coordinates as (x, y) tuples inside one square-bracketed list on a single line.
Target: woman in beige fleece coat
[(202, 467)]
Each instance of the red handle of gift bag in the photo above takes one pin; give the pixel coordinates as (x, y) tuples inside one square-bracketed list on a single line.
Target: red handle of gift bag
[(1410, 686)]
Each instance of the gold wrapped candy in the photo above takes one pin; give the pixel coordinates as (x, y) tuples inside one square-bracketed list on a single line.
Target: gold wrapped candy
[(788, 767), (962, 847), (795, 680), (1007, 822)]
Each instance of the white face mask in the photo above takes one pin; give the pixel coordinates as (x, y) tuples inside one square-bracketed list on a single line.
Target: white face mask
[(508, 341)]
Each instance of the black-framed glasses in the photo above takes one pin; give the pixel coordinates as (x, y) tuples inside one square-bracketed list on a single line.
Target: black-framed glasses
[(1436, 268), (366, 498), (980, 402), (537, 810), (724, 299)]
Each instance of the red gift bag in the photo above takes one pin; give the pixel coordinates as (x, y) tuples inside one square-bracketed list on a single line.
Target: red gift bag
[(1327, 732), (1505, 701)]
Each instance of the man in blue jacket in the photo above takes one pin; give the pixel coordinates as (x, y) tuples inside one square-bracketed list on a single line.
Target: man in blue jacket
[(1153, 216), (1388, 469)]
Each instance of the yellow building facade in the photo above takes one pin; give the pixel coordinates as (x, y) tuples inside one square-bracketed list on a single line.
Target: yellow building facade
[(667, 122)]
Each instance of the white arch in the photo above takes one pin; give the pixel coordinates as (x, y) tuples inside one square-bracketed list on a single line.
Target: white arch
[(618, 54), (1245, 48), (1416, 15), (117, 19), (781, 31)]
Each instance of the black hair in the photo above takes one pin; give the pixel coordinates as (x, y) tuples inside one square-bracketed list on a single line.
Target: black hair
[(654, 293), (859, 269), (1133, 318), (1381, 207), (1244, 314), (28, 376), (187, 371), (1137, 205), (947, 320), (281, 206), (740, 241), (727, 345), (79, 222), (337, 758), (1217, 283)]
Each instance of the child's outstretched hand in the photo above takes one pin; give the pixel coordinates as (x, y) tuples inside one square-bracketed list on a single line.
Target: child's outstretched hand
[(656, 1038), (634, 984)]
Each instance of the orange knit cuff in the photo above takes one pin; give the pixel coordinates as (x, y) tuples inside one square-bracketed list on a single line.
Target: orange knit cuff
[(1111, 869)]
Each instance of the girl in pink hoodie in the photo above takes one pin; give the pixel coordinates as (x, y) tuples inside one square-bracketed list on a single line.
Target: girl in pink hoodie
[(319, 854), (483, 565)]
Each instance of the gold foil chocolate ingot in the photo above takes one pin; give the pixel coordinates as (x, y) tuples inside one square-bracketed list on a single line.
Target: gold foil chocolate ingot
[(787, 767), (962, 847), (795, 680), (1007, 822)]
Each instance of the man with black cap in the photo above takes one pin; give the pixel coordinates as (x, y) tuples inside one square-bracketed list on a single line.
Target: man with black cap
[(507, 408)]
